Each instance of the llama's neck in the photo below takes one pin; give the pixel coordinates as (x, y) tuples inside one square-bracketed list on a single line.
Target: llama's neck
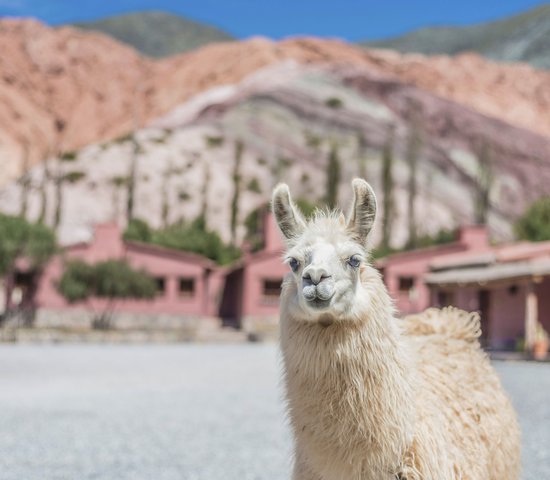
[(350, 389)]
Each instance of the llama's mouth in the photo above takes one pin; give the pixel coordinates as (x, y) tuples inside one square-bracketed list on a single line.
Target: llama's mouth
[(318, 303)]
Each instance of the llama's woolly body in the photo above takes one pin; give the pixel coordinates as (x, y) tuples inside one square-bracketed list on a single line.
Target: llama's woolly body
[(379, 399), (371, 397)]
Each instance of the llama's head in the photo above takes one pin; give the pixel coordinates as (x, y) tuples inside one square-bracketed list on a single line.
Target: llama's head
[(326, 255)]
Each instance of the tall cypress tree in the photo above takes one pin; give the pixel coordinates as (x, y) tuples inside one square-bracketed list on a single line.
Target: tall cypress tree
[(131, 180), (484, 183), (25, 182), (333, 177), (414, 144), (388, 203), (236, 176)]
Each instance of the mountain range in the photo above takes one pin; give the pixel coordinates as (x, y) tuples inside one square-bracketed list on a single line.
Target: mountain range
[(157, 34), (82, 107), (519, 38)]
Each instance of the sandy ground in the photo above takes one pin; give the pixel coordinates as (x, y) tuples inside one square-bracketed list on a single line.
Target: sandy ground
[(184, 412)]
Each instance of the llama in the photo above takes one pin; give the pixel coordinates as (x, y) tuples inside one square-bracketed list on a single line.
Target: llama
[(372, 397)]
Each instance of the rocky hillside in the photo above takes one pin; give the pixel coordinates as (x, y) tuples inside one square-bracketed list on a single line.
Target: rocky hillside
[(157, 34), (62, 89), (284, 122), (520, 38), (239, 116)]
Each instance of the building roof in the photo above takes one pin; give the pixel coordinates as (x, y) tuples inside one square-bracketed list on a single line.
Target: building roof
[(491, 273), (433, 250), (170, 252)]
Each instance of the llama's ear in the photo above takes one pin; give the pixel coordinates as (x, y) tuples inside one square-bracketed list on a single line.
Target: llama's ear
[(363, 211), (288, 216)]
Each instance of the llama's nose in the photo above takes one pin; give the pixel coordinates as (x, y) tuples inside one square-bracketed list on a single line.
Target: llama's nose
[(314, 274)]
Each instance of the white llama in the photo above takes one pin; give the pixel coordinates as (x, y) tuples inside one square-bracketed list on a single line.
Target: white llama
[(371, 397)]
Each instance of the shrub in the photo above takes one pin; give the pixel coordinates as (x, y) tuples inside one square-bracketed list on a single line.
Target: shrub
[(213, 141), (534, 224), (112, 279), (74, 176), (68, 156), (254, 186), (334, 102)]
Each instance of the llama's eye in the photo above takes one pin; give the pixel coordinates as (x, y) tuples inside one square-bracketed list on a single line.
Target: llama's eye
[(354, 261), (294, 264)]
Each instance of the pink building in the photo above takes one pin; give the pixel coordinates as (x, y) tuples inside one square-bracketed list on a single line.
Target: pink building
[(187, 284), (509, 285), (250, 299), (404, 272)]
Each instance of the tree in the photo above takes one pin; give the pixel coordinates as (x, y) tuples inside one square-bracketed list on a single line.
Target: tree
[(534, 224), (21, 239), (25, 182), (484, 182), (139, 231), (132, 177), (414, 144), (205, 190), (59, 179), (43, 189), (239, 147), (111, 280), (388, 204), (333, 177)]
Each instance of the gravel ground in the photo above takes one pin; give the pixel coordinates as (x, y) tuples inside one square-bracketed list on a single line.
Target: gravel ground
[(180, 412)]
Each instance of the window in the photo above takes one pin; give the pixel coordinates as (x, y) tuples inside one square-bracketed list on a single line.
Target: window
[(406, 284), (272, 288), (186, 287), (161, 285)]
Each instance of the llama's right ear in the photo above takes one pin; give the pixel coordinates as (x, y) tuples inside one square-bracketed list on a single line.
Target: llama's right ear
[(363, 211), (289, 219)]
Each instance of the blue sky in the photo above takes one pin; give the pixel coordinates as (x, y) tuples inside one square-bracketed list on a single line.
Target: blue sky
[(349, 19)]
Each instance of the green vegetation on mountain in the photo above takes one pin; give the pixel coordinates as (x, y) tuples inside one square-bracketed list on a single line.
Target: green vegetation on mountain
[(186, 236), (157, 34), (534, 225), (524, 37)]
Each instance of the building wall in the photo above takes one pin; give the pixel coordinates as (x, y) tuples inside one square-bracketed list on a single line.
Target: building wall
[(507, 315), (107, 244), (543, 293), (257, 301), (412, 265)]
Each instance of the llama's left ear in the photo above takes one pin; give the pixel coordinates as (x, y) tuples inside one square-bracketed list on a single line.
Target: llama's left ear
[(363, 211), (289, 218)]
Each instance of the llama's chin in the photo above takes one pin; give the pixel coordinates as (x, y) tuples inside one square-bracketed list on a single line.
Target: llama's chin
[(318, 304)]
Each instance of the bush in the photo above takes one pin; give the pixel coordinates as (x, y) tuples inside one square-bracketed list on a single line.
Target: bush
[(191, 237), (334, 102), (112, 279), (213, 142), (68, 156), (74, 176), (534, 225), (76, 283), (254, 186), (138, 230)]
